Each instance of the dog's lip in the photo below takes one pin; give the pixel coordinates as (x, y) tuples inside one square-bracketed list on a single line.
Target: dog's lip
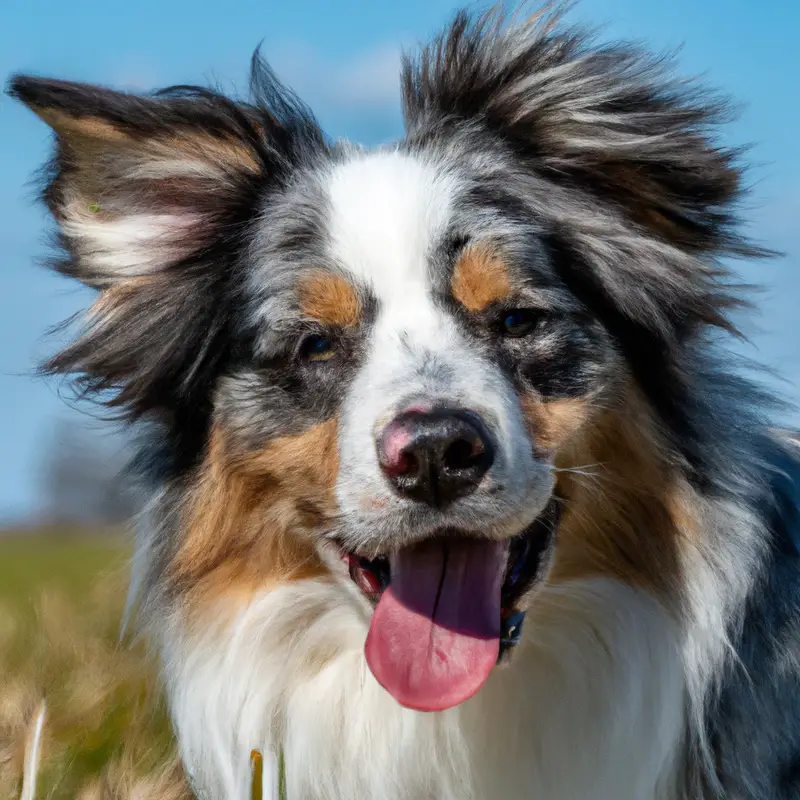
[(372, 572), (441, 532)]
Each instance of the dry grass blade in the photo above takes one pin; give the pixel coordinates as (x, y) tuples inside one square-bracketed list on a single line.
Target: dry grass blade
[(33, 753), (257, 772)]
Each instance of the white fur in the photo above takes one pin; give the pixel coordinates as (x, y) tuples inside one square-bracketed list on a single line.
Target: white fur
[(131, 245), (719, 573), (387, 209), (33, 753), (590, 707)]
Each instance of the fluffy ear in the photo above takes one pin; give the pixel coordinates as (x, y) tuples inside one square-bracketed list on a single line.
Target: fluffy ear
[(153, 197), (654, 195), (611, 115)]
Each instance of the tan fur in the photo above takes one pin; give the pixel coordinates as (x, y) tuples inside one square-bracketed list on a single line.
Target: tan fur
[(249, 516), (91, 135), (330, 299), (67, 125), (551, 423), (626, 512), (480, 278), (229, 152), (629, 513)]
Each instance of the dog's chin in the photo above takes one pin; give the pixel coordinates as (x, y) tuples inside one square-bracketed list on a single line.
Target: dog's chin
[(448, 608)]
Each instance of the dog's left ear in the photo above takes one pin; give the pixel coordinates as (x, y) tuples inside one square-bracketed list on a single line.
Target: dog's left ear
[(652, 194), (611, 117), (154, 197)]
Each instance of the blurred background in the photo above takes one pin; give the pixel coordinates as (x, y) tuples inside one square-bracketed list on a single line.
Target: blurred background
[(62, 500)]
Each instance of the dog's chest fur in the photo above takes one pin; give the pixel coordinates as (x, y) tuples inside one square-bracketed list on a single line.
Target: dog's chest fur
[(591, 706)]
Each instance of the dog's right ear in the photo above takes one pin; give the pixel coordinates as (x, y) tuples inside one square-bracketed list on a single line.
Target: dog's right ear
[(154, 197)]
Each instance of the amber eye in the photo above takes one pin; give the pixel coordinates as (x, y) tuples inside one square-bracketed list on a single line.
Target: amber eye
[(317, 348), (519, 322)]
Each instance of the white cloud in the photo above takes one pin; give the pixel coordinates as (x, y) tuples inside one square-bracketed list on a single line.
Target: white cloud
[(134, 74), (371, 79), (368, 80)]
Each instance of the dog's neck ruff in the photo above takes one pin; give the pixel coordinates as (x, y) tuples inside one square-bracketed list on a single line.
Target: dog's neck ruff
[(287, 675)]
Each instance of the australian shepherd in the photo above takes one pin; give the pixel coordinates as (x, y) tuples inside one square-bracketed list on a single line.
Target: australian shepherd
[(455, 491)]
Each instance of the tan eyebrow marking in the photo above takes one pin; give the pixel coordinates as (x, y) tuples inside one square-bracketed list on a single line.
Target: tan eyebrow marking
[(480, 278), (330, 299)]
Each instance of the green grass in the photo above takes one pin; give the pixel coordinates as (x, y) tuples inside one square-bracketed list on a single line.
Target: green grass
[(106, 732), (62, 561)]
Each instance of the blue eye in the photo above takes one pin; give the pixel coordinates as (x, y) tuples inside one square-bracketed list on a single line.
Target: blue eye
[(520, 322), (318, 348)]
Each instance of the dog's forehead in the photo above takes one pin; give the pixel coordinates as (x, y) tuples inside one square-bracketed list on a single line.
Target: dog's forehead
[(388, 212)]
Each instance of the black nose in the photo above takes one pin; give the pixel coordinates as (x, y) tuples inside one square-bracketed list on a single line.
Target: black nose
[(436, 456)]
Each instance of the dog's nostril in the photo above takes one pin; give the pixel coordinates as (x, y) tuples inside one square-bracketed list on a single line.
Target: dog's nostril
[(464, 454), (406, 464)]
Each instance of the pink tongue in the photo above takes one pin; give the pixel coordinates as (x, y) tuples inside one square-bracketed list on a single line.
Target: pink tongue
[(435, 634)]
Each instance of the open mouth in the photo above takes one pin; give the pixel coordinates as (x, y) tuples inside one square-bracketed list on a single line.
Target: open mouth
[(447, 609)]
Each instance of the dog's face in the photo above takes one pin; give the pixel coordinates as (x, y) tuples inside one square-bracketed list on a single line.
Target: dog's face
[(372, 362), (428, 323)]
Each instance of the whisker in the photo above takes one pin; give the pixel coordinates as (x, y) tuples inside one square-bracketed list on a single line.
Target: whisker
[(579, 470)]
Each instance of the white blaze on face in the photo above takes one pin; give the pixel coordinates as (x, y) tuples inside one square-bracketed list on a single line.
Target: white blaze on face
[(389, 213)]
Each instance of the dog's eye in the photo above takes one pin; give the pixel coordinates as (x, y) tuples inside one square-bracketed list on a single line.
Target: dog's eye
[(519, 322), (318, 348)]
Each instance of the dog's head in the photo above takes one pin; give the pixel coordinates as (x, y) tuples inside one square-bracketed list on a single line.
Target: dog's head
[(379, 361)]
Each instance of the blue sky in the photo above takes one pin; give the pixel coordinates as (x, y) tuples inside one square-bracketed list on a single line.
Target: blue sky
[(342, 57)]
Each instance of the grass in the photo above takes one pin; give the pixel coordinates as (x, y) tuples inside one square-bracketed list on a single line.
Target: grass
[(65, 561), (106, 735)]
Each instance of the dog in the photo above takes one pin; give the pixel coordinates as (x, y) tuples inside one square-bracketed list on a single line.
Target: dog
[(454, 489)]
